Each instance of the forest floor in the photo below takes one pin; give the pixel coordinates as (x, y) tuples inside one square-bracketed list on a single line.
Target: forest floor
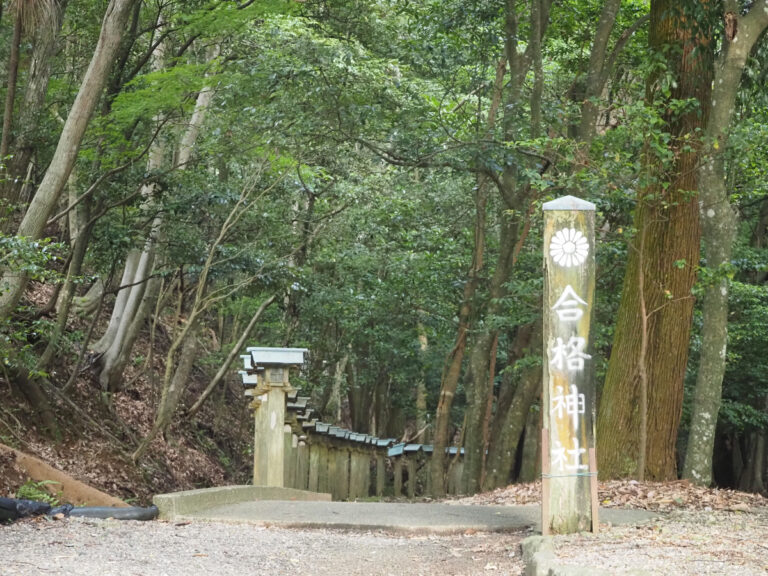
[(100, 431), (698, 531)]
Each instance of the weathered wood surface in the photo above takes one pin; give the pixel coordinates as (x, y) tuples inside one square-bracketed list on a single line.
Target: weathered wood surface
[(360, 475), (381, 475), (568, 386), (289, 458), (411, 466), (269, 442), (398, 482), (302, 466)]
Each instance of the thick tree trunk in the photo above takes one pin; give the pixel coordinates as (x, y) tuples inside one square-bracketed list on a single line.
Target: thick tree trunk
[(512, 409), (530, 467), (667, 217), (64, 157), (504, 447), (481, 385), (129, 273), (719, 228)]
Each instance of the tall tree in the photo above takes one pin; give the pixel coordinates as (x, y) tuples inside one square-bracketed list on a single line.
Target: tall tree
[(516, 196), (650, 348), (719, 227), (13, 283)]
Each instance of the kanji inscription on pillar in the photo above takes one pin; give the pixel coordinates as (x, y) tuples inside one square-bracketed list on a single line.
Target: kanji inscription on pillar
[(568, 396)]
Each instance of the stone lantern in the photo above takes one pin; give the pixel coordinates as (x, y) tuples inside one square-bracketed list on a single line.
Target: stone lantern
[(266, 380)]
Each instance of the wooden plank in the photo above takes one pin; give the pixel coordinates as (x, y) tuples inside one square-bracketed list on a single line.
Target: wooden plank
[(333, 465), (326, 468), (302, 466), (341, 476), (359, 475), (398, 469), (380, 475), (289, 459), (411, 464), (314, 467)]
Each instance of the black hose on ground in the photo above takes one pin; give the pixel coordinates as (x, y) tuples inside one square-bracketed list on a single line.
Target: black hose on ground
[(13, 509), (130, 513)]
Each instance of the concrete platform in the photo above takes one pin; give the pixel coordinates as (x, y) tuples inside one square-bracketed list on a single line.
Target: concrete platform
[(391, 517), (180, 504)]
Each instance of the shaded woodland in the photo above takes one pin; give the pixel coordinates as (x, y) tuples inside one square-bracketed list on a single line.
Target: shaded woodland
[(364, 178)]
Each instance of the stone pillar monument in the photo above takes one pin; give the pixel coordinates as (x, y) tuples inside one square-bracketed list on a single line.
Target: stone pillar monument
[(266, 379)]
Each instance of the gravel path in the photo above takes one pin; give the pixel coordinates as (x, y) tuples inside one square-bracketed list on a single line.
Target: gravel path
[(685, 543), (88, 547)]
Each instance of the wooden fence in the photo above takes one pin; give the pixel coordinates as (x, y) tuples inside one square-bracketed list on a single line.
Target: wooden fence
[(320, 457)]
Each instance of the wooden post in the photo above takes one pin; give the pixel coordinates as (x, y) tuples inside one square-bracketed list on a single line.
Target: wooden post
[(269, 442), (289, 460), (381, 475), (411, 464), (593, 490), (302, 465), (326, 468), (568, 399), (545, 482), (398, 470), (315, 461)]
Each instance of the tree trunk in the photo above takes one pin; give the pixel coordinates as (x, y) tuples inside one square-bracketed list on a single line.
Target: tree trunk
[(64, 303), (719, 228), (32, 106), (452, 369), (513, 227), (332, 409), (512, 410), (129, 273), (503, 450), (481, 385), (64, 157), (667, 217), (174, 385), (530, 467), (10, 95)]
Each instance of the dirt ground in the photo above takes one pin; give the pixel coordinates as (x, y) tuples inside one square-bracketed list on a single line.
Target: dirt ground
[(694, 543)]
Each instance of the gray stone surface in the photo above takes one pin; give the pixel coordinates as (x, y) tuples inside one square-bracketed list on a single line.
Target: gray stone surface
[(178, 504), (396, 517)]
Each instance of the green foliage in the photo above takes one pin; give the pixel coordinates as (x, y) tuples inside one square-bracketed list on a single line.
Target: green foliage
[(38, 491), (33, 257)]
